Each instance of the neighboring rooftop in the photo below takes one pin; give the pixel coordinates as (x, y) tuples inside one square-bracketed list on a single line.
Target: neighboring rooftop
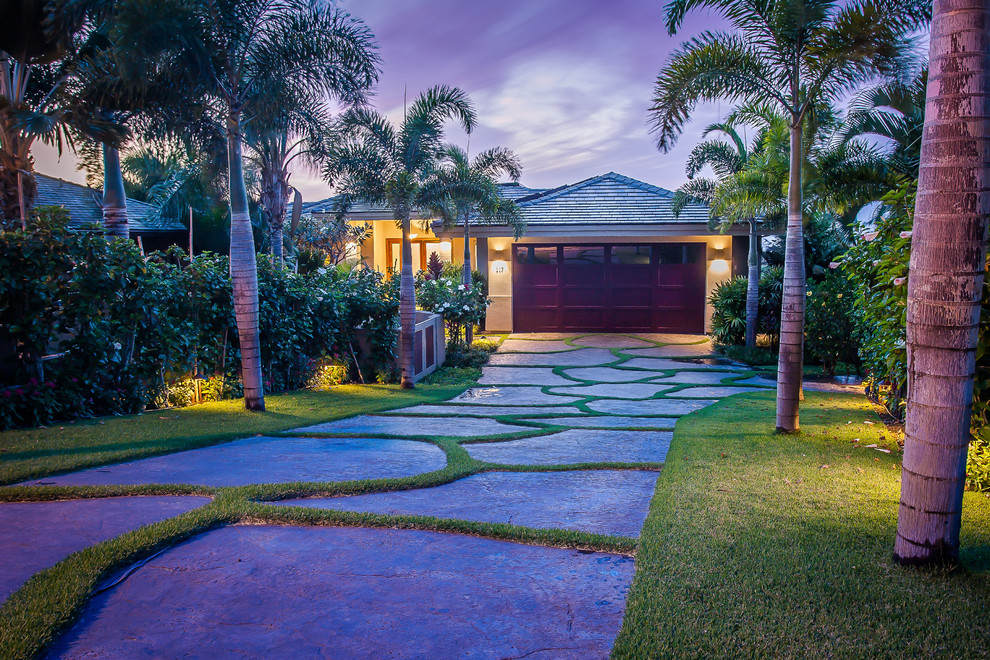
[(85, 205)]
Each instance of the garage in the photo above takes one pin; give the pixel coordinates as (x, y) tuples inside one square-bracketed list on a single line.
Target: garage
[(635, 287)]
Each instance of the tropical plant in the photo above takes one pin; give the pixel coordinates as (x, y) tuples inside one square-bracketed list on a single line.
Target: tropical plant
[(796, 55), (832, 335), (730, 305), (251, 49), (330, 238), (462, 305), (45, 53), (466, 191), (373, 161), (726, 159)]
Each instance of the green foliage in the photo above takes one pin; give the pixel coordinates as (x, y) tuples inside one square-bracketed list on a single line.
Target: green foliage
[(831, 334), (124, 332), (877, 266), (460, 305), (729, 303)]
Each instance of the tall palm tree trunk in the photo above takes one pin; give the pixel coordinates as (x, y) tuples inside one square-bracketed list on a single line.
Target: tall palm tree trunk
[(948, 258), (114, 198), (466, 275), (791, 360), (244, 272), (752, 286), (407, 309)]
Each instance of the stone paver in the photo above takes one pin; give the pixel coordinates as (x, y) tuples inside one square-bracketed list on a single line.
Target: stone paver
[(614, 390), (601, 501), (521, 376), (37, 535), (607, 422), (697, 377), (673, 351), (488, 411), (581, 357), (281, 592), (656, 407), (270, 460), (665, 364), (577, 446), (672, 337), (611, 341), (511, 396), (543, 336), (373, 425), (757, 381), (610, 374), (531, 346), (705, 392)]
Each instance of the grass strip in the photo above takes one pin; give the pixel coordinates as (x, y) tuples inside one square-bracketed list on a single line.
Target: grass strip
[(34, 453), (762, 545)]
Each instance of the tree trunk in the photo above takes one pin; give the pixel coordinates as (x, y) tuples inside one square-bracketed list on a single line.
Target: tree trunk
[(945, 285), (466, 277), (114, 199), (244, 271), (407, 309), (790, 363), (752, 286)]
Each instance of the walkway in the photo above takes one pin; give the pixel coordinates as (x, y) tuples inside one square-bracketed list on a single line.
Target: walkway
[(560, 443)]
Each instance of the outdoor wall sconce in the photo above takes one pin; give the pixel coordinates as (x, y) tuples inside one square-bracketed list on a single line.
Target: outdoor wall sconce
[(499, 267)]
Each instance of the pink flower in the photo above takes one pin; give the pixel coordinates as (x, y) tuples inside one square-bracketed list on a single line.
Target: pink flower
[(19, 392), (6, 393), (869, 236), (33, 382), (834, 265), (899, 281), (905, 234)]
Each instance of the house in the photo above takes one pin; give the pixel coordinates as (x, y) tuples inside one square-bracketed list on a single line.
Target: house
[(606, 254), (84, 205)]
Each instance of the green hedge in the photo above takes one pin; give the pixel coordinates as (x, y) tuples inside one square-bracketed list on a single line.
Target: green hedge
[(123, 332)]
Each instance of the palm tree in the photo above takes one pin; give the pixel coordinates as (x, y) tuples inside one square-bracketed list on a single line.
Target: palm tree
[(462, 190), (246, 49), (373, 161), (795, 54), (44, 53), (727, 159), (945, 285)]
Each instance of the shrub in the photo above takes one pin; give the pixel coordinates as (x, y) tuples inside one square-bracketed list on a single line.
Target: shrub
[(459, 305), (728, 301), (831, 334), (124, 332)]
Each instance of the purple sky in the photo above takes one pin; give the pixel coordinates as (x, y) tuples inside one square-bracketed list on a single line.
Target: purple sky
[(564, 83)]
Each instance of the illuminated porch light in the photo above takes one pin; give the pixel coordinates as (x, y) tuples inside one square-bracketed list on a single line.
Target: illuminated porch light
[(720, 267)]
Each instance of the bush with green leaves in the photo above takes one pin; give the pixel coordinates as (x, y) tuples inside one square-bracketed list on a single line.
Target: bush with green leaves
[(831, 333), (728, 302), (460, 305), (93, 327), (877, 266)]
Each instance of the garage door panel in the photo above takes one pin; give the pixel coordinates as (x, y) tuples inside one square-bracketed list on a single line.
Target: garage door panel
[(609, 288)]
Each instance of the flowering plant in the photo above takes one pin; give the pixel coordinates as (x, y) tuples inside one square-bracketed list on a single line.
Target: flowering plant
[(460, 305)]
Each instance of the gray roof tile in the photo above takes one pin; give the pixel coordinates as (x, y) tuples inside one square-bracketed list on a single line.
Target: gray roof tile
[(85, 206)]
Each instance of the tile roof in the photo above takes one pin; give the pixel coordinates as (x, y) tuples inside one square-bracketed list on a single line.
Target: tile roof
[(85, 206), (601, 200), (608, 199)]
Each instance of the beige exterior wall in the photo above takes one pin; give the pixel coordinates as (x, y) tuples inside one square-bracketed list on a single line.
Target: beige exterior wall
[(719, 250)]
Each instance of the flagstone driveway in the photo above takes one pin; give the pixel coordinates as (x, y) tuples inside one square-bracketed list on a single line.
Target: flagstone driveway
[(570, 433)]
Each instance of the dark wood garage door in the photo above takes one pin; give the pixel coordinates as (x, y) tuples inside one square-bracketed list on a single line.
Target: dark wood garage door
[(609, 288)]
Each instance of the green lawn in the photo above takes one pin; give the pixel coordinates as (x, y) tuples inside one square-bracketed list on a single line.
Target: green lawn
[(766, 545), (32, 453)]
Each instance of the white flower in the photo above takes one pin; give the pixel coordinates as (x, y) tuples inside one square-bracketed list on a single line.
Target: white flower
[(905, 234), (117, 345), (834, 265), (899, 281), (869, 236), (466, 308)]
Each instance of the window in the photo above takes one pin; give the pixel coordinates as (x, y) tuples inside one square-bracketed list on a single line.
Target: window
[(680, 253), (581, 254), (629, 255), (532, 254)]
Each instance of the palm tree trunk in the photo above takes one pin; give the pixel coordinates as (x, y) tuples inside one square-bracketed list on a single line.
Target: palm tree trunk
[(407, 309), (790, 363), (244, 271), (114, 198), (466, 277), (948, 253), (752, 286)]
